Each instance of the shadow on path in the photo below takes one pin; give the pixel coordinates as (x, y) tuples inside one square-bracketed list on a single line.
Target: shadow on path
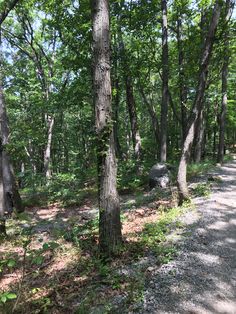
[(202, 279)]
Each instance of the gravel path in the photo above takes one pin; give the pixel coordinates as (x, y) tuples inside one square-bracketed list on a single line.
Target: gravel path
[(202, 279)]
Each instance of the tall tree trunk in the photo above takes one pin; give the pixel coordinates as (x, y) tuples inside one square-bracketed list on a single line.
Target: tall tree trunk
[(153, 115), (165, 74), (3, 136), (130, 100), (136, 139), (109, 208), (12, 196), (116, 99), (225, 70), (197, 107), (182, 84), (199, 128), (47, 153), (2, 196), (116, 118)]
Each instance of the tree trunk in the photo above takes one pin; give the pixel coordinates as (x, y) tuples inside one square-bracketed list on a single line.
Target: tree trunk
[(153, 115), (222, 118), (47, 153), (12, 196), (116, 101), (182, 85), (165, 74), (199, 137), (198, 103), (116, 118), (131, 105), (2, 195), (109, 208), (136, 139), (199, 128)]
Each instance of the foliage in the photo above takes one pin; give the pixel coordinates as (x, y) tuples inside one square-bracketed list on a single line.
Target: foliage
[(46, 74), (154, 234), (202, 189)]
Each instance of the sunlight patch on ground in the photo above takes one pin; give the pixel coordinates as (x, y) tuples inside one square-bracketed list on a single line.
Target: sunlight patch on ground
[(218, 225), (230, 240), (208, 258)]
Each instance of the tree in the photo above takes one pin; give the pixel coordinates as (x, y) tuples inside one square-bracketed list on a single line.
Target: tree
[(109, 208), (129, 88), (225, 69), (198, 103), (165, 94), (9, 192)]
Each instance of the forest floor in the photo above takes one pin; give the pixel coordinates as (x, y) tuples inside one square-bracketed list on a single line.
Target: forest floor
[(175, 260)]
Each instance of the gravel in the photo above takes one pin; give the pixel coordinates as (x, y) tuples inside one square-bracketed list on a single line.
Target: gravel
[(202, 278)]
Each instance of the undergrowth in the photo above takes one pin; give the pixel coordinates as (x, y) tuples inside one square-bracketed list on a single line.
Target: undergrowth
[(99, 273)]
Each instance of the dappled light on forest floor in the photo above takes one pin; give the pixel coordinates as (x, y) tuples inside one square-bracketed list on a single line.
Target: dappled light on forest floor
[(52, 261), (55, 253)]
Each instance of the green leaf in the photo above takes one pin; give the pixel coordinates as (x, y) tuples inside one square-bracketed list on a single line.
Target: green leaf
[(45, 246), (53, 245), (11, 296), (38, 260), (3, 298), (11, 263)]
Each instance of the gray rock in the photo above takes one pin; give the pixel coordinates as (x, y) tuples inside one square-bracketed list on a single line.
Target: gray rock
[(159, 176)]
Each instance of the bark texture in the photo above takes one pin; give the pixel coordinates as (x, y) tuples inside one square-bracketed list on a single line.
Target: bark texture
[(2, 196), (165, 96), (199, 137), (225, 69), (182, 85), (198, 103), (11, 193), (47, 153), (109, 207)]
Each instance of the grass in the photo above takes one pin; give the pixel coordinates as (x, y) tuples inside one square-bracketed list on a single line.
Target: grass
[(154, 235), (202, 189), (196, 169)]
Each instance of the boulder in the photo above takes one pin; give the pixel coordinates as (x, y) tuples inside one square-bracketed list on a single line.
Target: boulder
[(159, 176)]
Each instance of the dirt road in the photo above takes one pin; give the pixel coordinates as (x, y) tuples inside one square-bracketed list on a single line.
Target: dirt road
[(202, 279)]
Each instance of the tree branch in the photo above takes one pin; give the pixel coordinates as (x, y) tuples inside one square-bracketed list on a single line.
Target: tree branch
[(10, 6)]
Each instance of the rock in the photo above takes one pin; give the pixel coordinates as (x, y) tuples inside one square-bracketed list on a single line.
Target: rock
[(159, 176)]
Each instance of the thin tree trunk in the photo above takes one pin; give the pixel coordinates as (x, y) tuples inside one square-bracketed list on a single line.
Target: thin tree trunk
[(116, 118), (215, 128), (116, 101), (225, 70), (182, 85), (30, 154), (130, 100), (197, 143), (136, 139), (199, 137), (109, 208), (165, 75), (2, 196), (153, 116), (47, 153), (197, 107)]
